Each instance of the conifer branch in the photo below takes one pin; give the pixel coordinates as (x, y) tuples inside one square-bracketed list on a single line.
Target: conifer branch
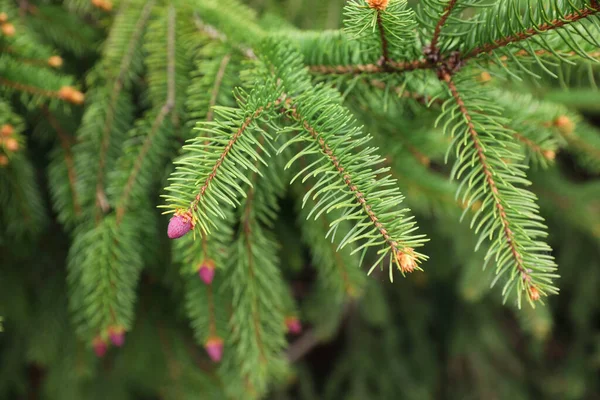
[(217, 86), (489, 179), (440, 24), (65, 143), (165, 110), (226, 150), (580, 14), (398, 249), (101, 202), (534, 147)]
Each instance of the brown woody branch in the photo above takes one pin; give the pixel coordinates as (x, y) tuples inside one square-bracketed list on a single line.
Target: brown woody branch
[(29, 89)]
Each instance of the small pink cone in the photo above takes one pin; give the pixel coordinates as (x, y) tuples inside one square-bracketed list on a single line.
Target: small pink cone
[(100, 347), (179, 225), (214, 348), (207, 271), (117, 336), (293, 325)]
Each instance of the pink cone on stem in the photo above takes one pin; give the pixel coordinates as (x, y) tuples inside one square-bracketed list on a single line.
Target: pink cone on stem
[(207, 271), (100, 346), (214, 348), (293, 325), (180, 224), (117, 335)]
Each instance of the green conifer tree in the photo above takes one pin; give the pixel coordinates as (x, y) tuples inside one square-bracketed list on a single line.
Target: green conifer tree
[(197, 196)]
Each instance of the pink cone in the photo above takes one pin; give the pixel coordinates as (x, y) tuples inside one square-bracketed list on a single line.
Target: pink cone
[(179, 225), (100, 347), (117, 336), (214, 348), (293, 325), (207, 271)]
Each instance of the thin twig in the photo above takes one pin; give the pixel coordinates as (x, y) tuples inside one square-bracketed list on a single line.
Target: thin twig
[(440, 24), (65, 142), (545, 27), (395, 66)]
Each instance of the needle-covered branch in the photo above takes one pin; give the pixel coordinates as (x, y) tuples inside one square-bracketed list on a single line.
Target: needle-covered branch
[(492, 173)]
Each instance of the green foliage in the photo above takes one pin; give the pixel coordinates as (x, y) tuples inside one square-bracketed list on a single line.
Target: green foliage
[(313, 166)]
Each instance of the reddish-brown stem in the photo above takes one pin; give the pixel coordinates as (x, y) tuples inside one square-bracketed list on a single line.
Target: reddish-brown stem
[(65, 142), (348, 181), (395, 66), (531, 144), (101, 202), (158, 121), (545, 27), (489, 178), (385, 55), (440, 24), (29, 89)]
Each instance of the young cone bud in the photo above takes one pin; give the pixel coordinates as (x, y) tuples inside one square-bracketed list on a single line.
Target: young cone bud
[(406, 261), (117, 335), (100, 346), (564, 124), (3, 160), (3, 17), (207, 271), (6, 130), (534, 293), (11, 144), (55, 61), (8, 29), (104, 5), (293, 325), (179, 225), (549, 154), (72, 95), (214, 348), (379, 5)]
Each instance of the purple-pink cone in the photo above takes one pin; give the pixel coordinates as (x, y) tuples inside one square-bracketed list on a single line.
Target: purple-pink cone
[(293, 325), (207, 271), (179, 225), (214, 348), (100, 346), (117, 336)]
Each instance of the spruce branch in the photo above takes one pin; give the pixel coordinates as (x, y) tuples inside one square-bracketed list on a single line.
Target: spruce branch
[(102, 204), (160, 117), (66, 144), (402, 253), (393, 66), (514, 217), (560, 22)]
